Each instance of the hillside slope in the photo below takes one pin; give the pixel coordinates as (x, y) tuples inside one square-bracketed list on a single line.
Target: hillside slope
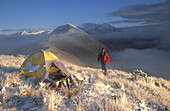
[(116, 91), (74, 45)]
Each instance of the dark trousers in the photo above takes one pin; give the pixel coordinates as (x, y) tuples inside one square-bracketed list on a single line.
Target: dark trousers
[(104, 69), (103, 66)]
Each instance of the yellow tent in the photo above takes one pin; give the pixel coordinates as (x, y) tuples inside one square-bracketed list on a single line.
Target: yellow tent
[(44, 66)]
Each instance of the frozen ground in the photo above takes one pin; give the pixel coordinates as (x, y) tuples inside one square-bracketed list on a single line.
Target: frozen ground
[(117, 91)]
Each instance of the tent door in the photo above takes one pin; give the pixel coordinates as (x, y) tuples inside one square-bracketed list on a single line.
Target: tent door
[(55, 73)]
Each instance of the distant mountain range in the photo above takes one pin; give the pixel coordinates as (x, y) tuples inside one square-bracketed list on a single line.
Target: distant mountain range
[(81, 45), (89, 28), (28, 33), (68, 42), (35, 32), (100, 28)]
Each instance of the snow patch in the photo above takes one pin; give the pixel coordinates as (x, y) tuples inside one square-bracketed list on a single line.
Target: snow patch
[(72, 25), (33, 32)]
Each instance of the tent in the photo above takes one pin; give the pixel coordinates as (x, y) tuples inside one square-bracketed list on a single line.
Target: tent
[(44, 66)]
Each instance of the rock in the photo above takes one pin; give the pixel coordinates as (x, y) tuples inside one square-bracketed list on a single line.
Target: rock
[(139, 75), (21, 101), (1, 87), (22, 77), (30, 80), (79, 71), (162, 108), (39, 101), (28, 104), (12, 101), (115, 85), (157, 84), (1, 98)]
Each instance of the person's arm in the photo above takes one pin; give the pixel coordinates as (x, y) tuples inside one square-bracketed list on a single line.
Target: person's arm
[(98, 58)]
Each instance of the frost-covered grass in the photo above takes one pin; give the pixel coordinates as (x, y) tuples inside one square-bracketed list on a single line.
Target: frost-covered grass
[(116, 91)]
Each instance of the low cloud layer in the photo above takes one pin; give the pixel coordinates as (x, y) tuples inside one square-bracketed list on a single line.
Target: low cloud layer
[(14, 30), (8, 30), (143, 13), (139, 37)]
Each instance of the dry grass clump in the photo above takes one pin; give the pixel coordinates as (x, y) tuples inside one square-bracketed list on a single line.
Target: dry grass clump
[(71, 92), (11, 61), (53, 100)]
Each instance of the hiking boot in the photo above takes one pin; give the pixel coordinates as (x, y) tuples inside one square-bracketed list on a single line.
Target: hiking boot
[(105, 72)]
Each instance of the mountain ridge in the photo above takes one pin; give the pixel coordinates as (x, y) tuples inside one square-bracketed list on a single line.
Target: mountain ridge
[(68, 42), (72, 40)]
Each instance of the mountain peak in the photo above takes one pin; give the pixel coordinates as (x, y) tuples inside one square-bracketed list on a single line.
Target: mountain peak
[(71, 25), (67, 28)]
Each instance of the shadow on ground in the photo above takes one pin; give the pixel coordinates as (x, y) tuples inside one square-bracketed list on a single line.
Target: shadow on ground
[(4, 69)]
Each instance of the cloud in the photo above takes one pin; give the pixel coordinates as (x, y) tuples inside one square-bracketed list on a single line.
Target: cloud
[(126, 21), (8, 30), (144, 13), (16, 30)]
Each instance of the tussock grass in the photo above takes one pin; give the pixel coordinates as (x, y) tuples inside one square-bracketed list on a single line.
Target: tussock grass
[(70, 92)]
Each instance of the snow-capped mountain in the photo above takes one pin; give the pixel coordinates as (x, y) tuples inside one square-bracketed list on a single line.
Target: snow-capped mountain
[(35, 32), (68, 28), (29, 33), (100, 28)]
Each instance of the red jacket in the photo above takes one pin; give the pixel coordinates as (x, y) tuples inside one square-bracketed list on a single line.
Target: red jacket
[(104, 58)]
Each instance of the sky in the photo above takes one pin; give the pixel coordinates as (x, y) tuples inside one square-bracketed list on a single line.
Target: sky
[(49, 14)]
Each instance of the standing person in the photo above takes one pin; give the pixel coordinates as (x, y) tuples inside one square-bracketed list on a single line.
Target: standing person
[(104, 58)]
